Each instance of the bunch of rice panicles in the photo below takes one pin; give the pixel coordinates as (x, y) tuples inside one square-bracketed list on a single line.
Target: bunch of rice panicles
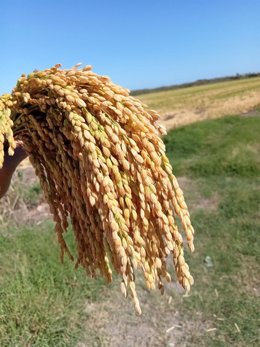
[(102, 164)]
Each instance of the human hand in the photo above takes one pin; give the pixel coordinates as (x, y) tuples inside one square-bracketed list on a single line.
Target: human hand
[(9, 166)]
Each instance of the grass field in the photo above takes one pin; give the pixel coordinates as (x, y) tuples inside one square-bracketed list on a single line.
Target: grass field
[(44, 303), (187, 105), (220, 158)]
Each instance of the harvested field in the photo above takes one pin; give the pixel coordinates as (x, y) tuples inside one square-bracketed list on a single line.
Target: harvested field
[(188, 105)]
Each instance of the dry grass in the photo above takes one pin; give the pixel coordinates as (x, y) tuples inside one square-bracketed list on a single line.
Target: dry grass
[(24, 201), (187, 105)]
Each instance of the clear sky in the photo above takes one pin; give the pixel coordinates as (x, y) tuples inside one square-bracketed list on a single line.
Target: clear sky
[(139, 44)]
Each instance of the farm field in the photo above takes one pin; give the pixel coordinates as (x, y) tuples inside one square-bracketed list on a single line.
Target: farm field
[(44, 303), (191, 104)]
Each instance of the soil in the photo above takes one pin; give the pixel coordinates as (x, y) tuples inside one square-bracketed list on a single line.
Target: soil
[(113, 322)]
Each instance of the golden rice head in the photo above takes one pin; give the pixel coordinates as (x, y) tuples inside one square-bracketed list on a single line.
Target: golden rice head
[(101, 162), (6, 123)]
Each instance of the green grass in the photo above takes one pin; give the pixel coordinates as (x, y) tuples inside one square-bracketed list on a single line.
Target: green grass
[(42, 302), (222, 158), (226, 146)]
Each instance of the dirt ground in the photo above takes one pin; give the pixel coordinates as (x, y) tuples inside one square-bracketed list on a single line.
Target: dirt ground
[(113, 321)]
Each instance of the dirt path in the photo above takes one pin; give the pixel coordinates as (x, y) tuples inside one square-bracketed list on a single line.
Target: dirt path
[(113, 321)]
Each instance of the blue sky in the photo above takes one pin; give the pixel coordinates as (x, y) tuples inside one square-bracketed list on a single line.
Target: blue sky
[(139, 44)]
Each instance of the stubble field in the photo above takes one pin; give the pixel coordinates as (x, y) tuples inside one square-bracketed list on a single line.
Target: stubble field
[(192, 104)]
